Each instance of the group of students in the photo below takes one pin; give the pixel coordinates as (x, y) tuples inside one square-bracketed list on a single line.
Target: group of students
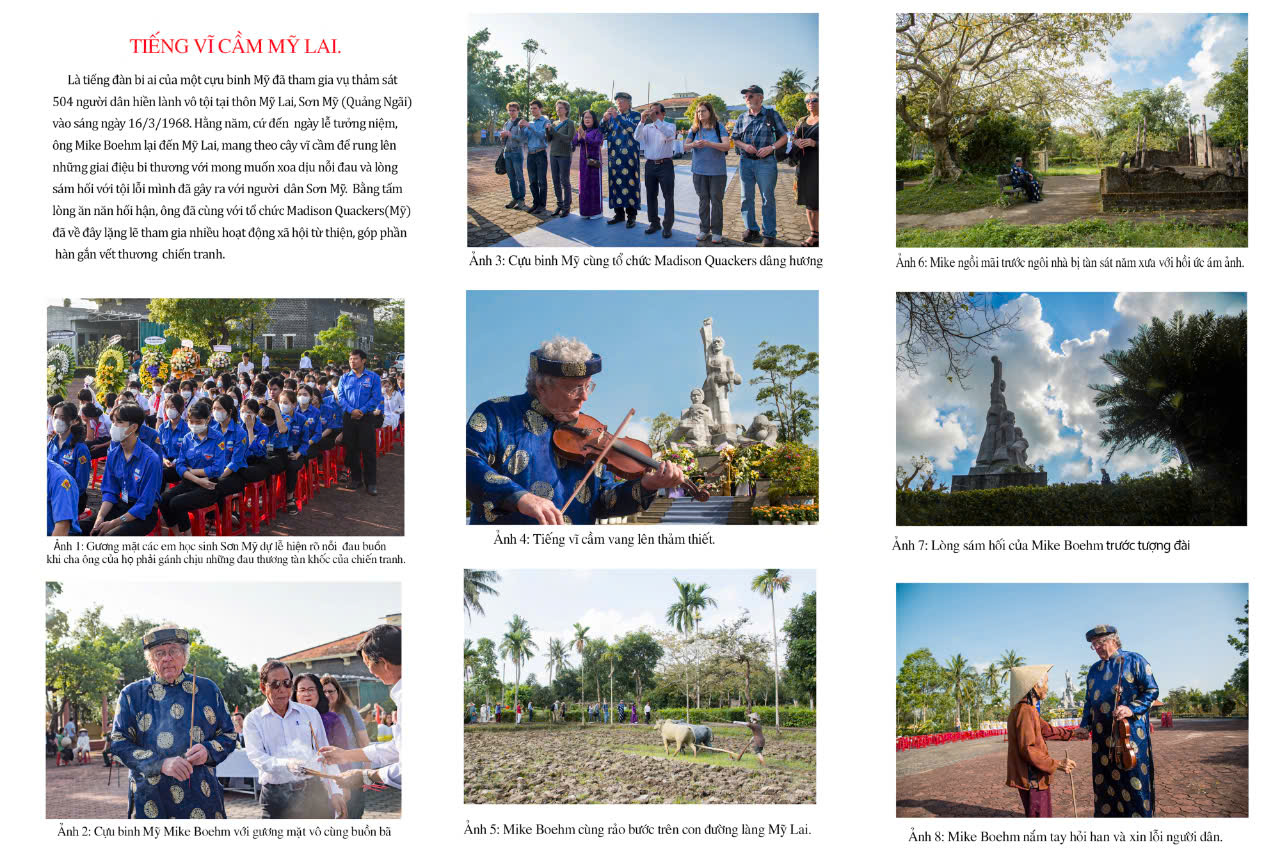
[(209, 438)]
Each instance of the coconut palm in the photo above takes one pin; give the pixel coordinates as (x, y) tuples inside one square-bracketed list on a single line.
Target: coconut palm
[(470, 658), (769, 583), (991, 681), (518, 645), (790, 81), (475, 582), (682, 616), (953, 674), (612, 656), (1008, 661), (579, 641), (557, 658)]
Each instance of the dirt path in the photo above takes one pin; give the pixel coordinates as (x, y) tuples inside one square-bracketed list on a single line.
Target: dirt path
[(1066, 198)]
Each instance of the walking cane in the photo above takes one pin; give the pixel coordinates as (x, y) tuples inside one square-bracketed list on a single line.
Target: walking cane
[(1074, 811)]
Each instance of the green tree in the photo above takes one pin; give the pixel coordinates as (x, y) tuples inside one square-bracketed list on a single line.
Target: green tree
[(768, 584), (388, 327), (599, 105), (954, 673), (955, 69), (1230, 97), (682, 616), (488, 87), (961, 325), (1007, 662), (485, 670), (783, 367), (1165, 111), (718, 106), (531, 49), (790, 82), (579, 99), (335, 343), (638, 655), (801, 631), (611, 656), (1240, 643), (579, 642), (791, 107), (517, 643), (1180, 389), (919, 681), (211, 321), (660, 427), (470, 658), (474, 583)]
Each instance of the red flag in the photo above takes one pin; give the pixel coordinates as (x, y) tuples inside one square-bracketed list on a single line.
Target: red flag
[(377, 714)]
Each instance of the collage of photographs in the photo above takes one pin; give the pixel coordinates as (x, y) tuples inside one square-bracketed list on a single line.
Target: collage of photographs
[(643, 331)]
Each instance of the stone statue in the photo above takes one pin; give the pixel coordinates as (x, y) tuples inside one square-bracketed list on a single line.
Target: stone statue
[(762, 431), (1002, 456), (1003, 439), (721, 378), (696, 423), (1106, 478), (1018, 449), (995, 414), (1069, 697), (1124, 160)]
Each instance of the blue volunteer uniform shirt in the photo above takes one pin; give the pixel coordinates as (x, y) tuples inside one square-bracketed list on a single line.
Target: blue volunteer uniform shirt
[(134, 481), (154, 722), (74, 458), (362, 392), (64, 498), (332, 411), (305, 429), (151, 439), (509, 454), (258, 442), (236, 444), (209, 453), (170, 436), (1118, 793)]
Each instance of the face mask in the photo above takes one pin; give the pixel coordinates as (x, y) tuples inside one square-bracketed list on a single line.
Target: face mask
[(186, 395), (219, 384), (171, 413), (199, 429), (204, 393), (220, 416), (304, 400), (286, 408), (118, 433), (157, 389), (246, 417), (243, 388), (59, 426)]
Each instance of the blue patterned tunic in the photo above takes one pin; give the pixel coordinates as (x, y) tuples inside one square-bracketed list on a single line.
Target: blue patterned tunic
[(1116, 792), (509, 454), (624, 160), (152, 723)]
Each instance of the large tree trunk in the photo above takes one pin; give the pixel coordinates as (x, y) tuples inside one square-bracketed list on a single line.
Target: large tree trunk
[(944, 165)]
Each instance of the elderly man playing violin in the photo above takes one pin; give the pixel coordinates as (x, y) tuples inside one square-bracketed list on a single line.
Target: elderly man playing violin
[(515, 475), (1117, 791)]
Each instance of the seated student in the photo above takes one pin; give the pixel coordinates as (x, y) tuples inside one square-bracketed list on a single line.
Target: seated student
[(202, 456), (67, 449), (274, 386), (392, 404), (298, 437), (62, 501), (146, 434), (171, 431), (228, 383), (236, 441), (257, 433), (135, 388), (310, 404), (208, 390), (102, 442), (244, 383), (53, 401), (155, 401), (187, 391), (131, 482), (277, 443)]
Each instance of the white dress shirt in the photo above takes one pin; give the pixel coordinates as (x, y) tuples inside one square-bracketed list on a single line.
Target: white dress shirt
[(304, 363), (655, 139), (385, 755), (271, 742), (266, 361), (244, 368)]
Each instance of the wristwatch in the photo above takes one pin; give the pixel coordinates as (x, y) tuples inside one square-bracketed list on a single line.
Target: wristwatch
[(369, 778)]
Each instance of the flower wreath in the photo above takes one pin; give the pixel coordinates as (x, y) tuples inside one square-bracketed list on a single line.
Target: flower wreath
[(155, 363), (112, 370), (58, 360), (220, 361), (682, 457), (183, 362)]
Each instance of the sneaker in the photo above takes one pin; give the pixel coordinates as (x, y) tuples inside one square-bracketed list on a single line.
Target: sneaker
[(769, 241), (750, 236), (291, 506), (518, 206), (703, 235), (512, 203), (717, 238)]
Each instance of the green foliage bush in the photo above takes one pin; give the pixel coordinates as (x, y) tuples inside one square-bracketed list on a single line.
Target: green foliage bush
[(792, 716), (912, 170), (793, 469), (995, 141), (1170, 498)]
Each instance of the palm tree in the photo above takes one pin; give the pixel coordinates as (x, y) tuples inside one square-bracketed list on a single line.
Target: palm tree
[(700, 600), (790, 81), (470, 658), (475, 582), (518, 645), (1180, 390), (768, 583), (579, 641), (953, 672), (557, 658), (612, 656), (1008, 661), (991, 681), (681, 615)]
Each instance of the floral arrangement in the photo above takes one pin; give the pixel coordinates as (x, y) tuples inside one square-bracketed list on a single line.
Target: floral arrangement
[(682, 457), (155, 363), (793, 469), (59, 360), (220, 361), (183, 362), (788, 514), (112, 371), (745, 462)]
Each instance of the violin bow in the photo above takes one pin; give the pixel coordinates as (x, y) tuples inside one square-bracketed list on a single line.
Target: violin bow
[(599, 459)]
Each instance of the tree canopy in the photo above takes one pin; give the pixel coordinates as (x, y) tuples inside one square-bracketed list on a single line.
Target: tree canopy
[(783, 367), (1165, 110), (1230, 97), (954, 69), (958, 324), (211, 321)]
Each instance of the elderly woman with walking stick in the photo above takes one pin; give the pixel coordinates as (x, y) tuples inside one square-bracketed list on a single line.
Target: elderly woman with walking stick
[(1030, 767)]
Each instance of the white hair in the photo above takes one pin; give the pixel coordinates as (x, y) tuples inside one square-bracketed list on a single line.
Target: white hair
[(186, 648), (560, 349), (1115, 636)]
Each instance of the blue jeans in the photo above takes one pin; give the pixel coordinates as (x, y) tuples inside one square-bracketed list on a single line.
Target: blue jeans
[(762, 173), (538, 177), (515, 172)]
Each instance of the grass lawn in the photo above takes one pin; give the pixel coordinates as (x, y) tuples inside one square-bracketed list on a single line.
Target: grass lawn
[(714, 758), (1070, 170), (1083, 233), (969, 192)]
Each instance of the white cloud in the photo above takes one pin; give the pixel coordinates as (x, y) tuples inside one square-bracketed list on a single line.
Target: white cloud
[(1221, 38), (1048, 390)]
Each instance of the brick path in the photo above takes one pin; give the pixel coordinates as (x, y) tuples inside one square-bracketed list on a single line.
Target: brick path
[(489, 222), (1202, 771), (81, 791)]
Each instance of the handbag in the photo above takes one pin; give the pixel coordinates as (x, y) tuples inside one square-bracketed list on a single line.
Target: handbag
[(501, 166), (593, 163)]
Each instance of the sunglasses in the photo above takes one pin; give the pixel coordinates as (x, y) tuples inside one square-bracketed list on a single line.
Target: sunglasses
[(277, 684), (811, 100)]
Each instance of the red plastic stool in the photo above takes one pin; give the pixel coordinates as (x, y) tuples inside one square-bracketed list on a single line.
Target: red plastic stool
[(227, 528), (303, 488), (330, 466), (399, 433), (95, 479), (198, 523), (255, 505), (277, 498), (380, 441), (315, 468)]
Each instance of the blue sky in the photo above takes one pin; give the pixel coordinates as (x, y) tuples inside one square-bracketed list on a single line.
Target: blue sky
[(649, 341), (668, 53), (1181, 629), (612, 602), (1156, 50), (248, 621), (1050, 358)]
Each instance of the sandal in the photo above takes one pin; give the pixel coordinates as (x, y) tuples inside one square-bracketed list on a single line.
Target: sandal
[(811, 240)]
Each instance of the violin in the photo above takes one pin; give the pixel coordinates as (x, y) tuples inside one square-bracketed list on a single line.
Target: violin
[(588, 441), (1124, 753)]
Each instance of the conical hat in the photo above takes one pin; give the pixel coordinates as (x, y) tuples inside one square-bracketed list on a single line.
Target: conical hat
[(1023, 679)]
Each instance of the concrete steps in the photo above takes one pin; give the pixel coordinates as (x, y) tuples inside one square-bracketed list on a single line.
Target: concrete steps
[(718, 510)]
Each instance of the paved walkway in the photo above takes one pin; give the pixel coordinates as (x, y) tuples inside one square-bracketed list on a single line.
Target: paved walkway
[(81, 792), (1065, 198), (489, 223), (1202, 771)]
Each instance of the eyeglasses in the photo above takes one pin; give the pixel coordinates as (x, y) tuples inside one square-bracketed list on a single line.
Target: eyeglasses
[(163, 653), (811, 100), (277, 684), (580, 391)]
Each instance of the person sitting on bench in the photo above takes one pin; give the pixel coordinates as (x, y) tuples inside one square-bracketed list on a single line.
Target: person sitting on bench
[(1024, 180)]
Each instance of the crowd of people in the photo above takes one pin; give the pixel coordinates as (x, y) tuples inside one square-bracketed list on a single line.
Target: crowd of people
[(609, 148), (603, 712), (173, 448)]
